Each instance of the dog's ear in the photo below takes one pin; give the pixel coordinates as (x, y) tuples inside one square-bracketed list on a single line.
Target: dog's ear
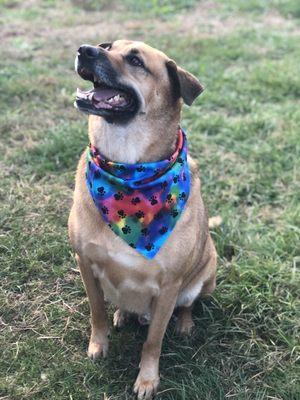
[(184, 84)]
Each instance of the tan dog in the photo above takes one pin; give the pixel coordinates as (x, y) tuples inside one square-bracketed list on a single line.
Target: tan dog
[(135, 106)]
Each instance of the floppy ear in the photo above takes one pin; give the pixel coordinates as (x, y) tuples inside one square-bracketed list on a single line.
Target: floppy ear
[(184, 84)]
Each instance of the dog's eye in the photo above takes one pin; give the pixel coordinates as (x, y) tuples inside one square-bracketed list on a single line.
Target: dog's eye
[(105, 46), (135, 61)]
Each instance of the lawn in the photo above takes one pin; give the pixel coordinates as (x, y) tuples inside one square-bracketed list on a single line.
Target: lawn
[(244, 132)]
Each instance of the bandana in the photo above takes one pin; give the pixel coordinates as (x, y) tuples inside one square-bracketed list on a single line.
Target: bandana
[(142, 202)]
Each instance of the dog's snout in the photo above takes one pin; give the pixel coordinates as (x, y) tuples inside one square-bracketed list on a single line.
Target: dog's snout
[(89, 51)]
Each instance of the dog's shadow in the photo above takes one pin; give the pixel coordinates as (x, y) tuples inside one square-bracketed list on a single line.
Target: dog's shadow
[(181, 355)]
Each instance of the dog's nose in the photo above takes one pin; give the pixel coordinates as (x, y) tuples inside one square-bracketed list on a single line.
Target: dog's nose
[(88, 51)]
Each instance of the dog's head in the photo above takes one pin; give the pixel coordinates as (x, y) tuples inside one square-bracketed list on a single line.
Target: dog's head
[(131, 79)]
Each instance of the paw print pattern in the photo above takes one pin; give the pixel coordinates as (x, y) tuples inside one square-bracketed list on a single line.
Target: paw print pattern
[(182, 196), (174, 213), (169, 198), (164, 184), (139, 214), (101, 190), (153, 200), (149, 246), (122, 213), (118, 196), (105, 210), (163, 230), (135, 200), (158, 216), (126, 229), (97, 174), (141, 168), (111, 182), (145, 231), (147, 208)]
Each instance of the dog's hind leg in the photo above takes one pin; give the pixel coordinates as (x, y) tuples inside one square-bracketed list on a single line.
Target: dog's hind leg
[(98, 345), (120, 318), (184, 323), (203, 284)]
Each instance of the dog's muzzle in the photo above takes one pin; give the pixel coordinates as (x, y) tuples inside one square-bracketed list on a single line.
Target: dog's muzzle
[(109, 98)]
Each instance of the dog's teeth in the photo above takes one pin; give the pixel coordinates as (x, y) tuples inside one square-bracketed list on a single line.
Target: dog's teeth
[(117, 98)]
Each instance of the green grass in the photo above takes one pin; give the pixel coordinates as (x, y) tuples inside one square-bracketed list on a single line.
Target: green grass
[(244, 131)]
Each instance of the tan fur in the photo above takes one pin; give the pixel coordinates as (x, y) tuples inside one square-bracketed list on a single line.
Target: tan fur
[(111, 268)]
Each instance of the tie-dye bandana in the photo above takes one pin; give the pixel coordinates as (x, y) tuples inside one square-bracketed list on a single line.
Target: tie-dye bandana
[(141, 203)]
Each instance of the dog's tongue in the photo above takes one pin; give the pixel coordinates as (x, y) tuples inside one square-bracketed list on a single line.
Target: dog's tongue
[(104, 94)]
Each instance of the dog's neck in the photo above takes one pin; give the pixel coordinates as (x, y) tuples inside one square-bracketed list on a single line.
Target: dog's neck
[(135, 142)]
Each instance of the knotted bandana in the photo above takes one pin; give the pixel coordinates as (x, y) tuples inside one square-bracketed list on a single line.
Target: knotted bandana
[(142, 202)]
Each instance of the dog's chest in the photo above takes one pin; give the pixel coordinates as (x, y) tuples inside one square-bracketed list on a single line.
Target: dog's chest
[(127, 291)]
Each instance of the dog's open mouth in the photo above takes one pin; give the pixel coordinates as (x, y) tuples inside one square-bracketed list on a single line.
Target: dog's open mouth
[(104, 97), (107, 101)]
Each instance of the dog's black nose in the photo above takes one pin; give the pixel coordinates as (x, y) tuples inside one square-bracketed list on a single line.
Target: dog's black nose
[(88, 51)]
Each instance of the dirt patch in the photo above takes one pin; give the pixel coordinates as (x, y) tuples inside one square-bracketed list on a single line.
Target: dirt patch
[(204, 20)]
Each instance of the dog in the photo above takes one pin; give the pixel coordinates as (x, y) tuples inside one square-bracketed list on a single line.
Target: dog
[(134, 117)]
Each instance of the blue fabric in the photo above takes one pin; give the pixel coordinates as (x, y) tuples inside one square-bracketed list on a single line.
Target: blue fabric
[(142, 202)]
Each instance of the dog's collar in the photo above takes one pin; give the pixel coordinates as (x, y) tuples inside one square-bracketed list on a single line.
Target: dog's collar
[(138, 173), (140, 202)]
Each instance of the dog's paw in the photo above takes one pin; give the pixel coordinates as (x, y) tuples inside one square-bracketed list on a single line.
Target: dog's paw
[(97, 348), (120, 318), (184, 325), (145, 388)]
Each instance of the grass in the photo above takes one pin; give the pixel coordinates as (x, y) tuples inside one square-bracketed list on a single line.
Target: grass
[(244, 131)]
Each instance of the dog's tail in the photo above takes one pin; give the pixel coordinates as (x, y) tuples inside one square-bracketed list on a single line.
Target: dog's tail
[(214, 222)]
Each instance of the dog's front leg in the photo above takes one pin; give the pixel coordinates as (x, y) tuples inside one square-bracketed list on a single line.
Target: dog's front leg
[(148, 378), (99, 336)]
